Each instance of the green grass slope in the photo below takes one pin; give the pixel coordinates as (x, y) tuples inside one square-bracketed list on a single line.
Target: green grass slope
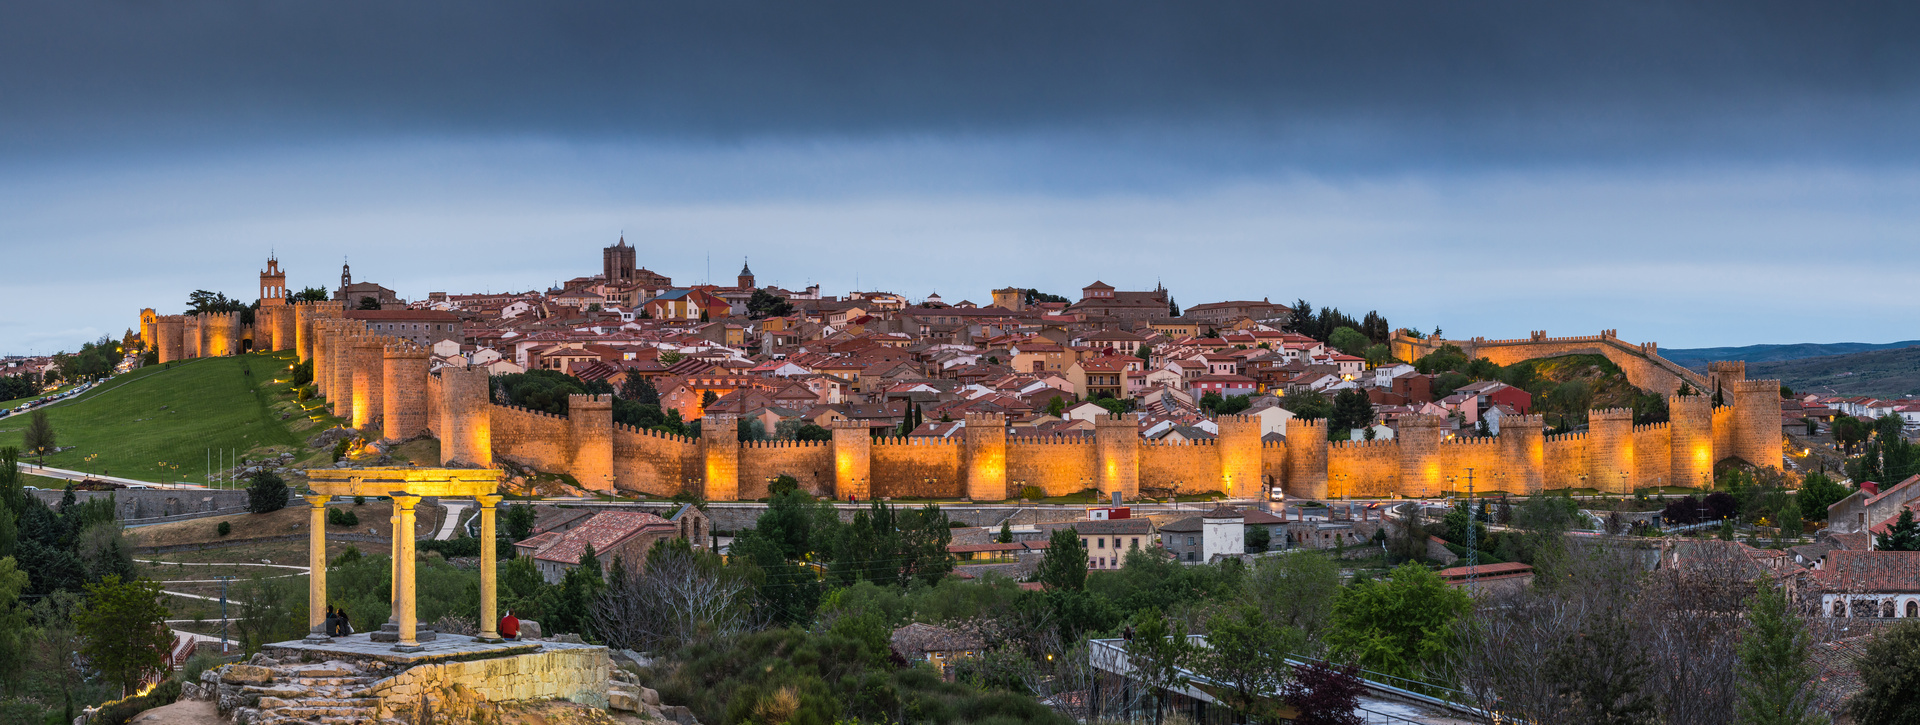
[(173, 415)]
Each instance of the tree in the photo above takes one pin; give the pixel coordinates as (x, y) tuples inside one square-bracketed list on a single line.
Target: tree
[(1351, 409), (1776, 679), (1308, 405), (1890, 675), (1399, 625), (275, 611), (1173, 308), (1321, 694), (14, 636), (1294, 591), (1788, 521), (1064, 566), (639, 390), (124, 629), (1006, 533), (1057, 406), (1349, 341), (1157, 653), (39, 437), (368, 303), (1817, 492), (1600, 673), (311, 294), (267, 493), (1257, 538), (1904, 535), (517, 521), (765, 304), (1247, 655)]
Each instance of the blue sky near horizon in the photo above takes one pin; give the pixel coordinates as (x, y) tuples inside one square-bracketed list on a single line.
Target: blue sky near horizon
[(1696, 174)]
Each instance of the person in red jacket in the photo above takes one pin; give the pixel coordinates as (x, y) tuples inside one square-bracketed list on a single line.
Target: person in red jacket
[(510, 626)]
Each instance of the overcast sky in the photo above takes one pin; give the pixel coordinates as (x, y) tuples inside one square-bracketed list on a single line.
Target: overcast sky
[(1695, 174)]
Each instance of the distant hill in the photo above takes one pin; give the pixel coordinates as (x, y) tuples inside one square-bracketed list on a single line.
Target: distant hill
[(1887, 373), (1698, 357)]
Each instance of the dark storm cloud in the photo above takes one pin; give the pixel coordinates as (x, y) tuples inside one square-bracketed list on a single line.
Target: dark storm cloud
[(1352, 81)]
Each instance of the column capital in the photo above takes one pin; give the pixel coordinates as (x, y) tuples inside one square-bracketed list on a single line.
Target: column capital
[(488, 501), (318, 500), (403, 501)]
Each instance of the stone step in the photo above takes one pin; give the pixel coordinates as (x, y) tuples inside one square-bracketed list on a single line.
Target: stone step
[(328, 681), (360, 714)]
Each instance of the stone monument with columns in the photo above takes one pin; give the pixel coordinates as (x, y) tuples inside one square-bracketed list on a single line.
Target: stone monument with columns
[(406, 487)]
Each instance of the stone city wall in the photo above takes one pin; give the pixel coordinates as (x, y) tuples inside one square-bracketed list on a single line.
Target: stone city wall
[(987, 463)]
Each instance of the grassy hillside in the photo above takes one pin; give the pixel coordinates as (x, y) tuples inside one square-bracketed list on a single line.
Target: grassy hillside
[(1881, 373), (1698, 357), (174, 414)]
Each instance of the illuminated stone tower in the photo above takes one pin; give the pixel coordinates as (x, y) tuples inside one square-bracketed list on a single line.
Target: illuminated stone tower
[(1117, 440), (986, 435)]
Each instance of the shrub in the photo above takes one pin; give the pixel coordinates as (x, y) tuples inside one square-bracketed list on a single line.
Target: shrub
[(1032, 493), (268, 493), (342, 517), (118, 712), (225, 528), (359, 500)]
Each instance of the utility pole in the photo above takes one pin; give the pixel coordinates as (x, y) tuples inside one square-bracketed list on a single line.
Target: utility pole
[(1473, 551), (223, 611)]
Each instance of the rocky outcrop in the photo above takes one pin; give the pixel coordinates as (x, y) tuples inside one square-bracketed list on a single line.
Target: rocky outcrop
[(287, 687)]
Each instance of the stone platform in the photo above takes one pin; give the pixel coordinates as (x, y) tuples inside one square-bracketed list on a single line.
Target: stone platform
[(442, 648)]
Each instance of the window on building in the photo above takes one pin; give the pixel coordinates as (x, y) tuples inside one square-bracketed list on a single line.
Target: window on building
[(1189, 541), (1100, 543), (1136, 542)]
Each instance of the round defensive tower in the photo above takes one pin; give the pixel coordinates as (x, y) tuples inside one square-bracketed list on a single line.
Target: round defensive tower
[(1523, 443), (1610, 454), (986, 436), (468, 436), (369, 386), (1306, 459), (1691, 426), (1239, 449), (169, 337), (404, 379), (1422, 473), (1757, 438), (852, 459)]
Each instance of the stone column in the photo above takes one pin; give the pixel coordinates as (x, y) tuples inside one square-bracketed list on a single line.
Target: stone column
[(393, 567), (403, 584), (317, 562), (489, 586)]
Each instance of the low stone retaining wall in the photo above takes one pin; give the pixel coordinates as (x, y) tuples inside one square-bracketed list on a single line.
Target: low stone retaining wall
[(210, 545), (456, 691)]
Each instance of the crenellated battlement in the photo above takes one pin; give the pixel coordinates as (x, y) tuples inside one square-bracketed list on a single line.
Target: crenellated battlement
[(1471, 441), (1567, 437), (403, 349), (1609, 414), (912, 441), (590, 401), (651, 433), (1534, 420), (1377, 443), (1757, 386), (1050, 440), (1650, 427), (765, 445), (846, 424), (517, 410)]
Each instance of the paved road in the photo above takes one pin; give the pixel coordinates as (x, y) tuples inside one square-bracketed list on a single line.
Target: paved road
[(64, 474), (452, 524)]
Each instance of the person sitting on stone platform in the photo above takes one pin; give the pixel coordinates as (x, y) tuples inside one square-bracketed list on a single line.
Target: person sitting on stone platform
[(510, 626), (341, 627), (332, 623)]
